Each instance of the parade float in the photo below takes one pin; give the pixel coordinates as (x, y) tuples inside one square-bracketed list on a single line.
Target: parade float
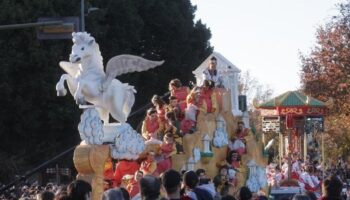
[(296, 117), (297, 121), (205, 146)]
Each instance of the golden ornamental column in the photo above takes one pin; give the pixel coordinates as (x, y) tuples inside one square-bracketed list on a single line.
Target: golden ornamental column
[(89, 160)]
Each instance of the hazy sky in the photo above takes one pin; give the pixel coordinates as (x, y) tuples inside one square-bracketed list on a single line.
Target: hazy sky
[(266, 36)]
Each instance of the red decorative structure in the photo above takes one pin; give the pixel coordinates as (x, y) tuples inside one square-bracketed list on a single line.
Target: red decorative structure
[(293, 115), (289, 121)]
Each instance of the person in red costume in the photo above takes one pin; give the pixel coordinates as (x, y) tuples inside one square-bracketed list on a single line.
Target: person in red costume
[(174, 108), (180, 92), (124, 167), (149, 165), (109, 174), (160, 106), (168, 148), (233, 159), (203, 98), (133, 186), (152, 125), (207, 99), (238, 143), (242, 131)]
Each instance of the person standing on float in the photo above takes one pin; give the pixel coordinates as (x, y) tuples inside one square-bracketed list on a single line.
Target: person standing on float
[(212, 74)]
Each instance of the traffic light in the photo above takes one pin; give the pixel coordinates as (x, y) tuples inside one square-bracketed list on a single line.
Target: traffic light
[(242, 103)]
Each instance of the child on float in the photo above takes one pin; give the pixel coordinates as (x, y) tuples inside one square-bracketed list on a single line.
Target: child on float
[(203, 98), (188, 124), (238, 143), (173, 126), (160, 106), (180, 92), (149, 165), (167, 149), (124, 167), (152, 126), (174, 107), (233, 159)]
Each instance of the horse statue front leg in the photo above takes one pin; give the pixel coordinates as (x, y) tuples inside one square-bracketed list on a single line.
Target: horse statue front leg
[(78, 95), (61, 90)]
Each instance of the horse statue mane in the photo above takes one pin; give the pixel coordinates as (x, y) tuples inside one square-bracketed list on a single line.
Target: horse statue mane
[(89, 83), (82, 38)]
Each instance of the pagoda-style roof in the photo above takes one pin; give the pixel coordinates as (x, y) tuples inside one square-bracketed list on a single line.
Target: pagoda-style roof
[(293, 102), (292, 98)]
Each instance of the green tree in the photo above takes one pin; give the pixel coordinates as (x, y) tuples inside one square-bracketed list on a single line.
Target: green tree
[(34, 123)]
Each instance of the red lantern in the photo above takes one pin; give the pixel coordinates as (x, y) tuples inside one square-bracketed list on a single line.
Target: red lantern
[(289, 121)]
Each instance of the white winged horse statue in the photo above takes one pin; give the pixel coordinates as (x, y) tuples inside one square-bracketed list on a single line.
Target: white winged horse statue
[(88, 82)]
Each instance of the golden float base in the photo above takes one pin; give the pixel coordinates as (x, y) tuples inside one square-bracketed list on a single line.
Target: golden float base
[(89, 160)]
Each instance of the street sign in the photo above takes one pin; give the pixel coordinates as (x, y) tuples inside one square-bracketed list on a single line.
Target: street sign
[(271, 124), (58, 31)]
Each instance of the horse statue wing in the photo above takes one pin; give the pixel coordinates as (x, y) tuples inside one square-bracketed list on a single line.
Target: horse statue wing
[(70, 68), (125, 63)]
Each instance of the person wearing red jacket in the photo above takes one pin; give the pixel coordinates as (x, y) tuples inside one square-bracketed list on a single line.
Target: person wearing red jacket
[(133, 186), (180, 92), (152, 126), (124, 167)]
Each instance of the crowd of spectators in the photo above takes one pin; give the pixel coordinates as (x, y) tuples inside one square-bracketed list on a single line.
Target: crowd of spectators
[(171, 185)]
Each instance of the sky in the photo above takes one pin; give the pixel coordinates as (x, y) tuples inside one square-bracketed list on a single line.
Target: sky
[(266, 36)]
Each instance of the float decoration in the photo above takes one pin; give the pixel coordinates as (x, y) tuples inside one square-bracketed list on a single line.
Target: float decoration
[(88, 83)]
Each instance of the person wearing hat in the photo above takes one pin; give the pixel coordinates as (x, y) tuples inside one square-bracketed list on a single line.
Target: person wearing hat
[(152, 125)]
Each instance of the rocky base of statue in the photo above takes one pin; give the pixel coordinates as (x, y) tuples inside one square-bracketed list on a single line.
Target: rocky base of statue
[(101, 142), (124, 141)]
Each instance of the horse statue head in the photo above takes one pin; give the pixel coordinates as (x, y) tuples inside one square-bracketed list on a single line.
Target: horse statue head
[(85, 48)]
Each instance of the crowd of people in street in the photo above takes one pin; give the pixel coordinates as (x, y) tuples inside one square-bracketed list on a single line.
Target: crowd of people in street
[(173, 185)]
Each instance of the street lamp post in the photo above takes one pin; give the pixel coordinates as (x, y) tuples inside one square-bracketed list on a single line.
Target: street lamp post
[(82, 15)]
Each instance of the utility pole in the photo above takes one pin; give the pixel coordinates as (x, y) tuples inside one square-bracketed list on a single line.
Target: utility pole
[(82, 15)]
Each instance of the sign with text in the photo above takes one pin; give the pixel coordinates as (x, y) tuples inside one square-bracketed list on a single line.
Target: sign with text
[(59, 31)]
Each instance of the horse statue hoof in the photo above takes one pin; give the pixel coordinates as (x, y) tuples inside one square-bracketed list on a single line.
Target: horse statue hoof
[(61, 93)]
